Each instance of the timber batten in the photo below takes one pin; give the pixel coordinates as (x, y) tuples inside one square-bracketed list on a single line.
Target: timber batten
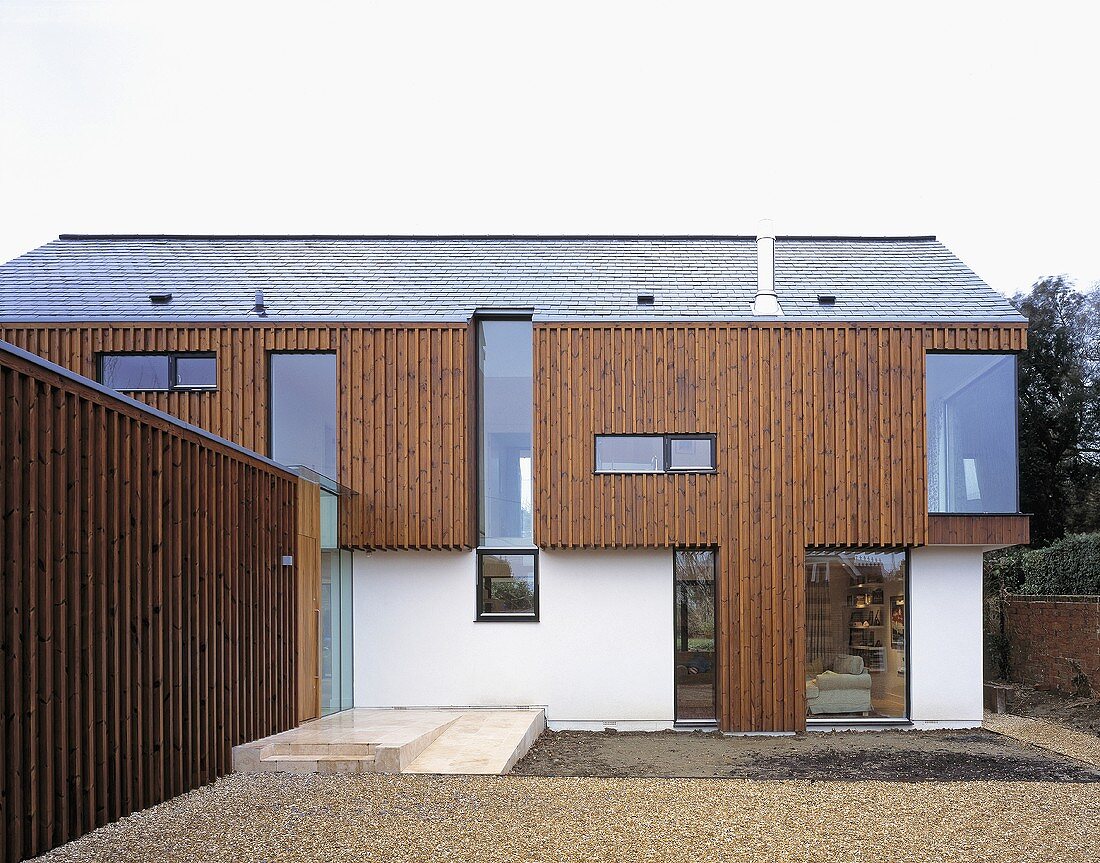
[(403, 410), (819, 426), (148, 624)]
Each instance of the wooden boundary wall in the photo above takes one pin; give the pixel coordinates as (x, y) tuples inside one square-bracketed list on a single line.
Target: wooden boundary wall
[(146, 619)]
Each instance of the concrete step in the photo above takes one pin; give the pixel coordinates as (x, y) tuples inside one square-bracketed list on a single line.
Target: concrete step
[(318, 764), (317, 750), (485, 742)]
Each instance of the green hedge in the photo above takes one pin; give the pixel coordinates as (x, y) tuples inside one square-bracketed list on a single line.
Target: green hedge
[(1066, 567)]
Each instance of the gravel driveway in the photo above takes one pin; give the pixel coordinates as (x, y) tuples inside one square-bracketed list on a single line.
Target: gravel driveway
[(285, 817)]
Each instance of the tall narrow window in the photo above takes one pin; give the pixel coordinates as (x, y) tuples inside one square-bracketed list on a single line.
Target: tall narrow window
[(303, 411), (972, 454), (507, 561), (693, 622), (505, 427)]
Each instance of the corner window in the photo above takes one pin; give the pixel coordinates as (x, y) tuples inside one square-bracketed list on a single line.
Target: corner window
[(507, 585), (972, 449), (159, 372), (856, 643), (655, 453)]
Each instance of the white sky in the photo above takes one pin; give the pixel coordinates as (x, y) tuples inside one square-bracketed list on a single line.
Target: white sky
[(975, 122)]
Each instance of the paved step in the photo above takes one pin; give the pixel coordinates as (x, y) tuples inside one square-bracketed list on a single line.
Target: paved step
[(482, 742), (317, 764)]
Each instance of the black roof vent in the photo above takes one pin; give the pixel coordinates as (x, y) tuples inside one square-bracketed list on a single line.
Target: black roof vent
[(160, 297), (645, 299), (826, 299)]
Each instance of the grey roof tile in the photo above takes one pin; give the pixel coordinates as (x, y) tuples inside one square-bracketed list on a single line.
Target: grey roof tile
[(449, 278)]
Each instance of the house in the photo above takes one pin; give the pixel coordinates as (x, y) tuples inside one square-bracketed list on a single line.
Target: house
[(644, 482)]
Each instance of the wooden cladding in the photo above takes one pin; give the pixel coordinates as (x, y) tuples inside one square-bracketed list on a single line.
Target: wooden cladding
[(147, 622), (979, 529), (308, 572), (820, 434), (404, 401)]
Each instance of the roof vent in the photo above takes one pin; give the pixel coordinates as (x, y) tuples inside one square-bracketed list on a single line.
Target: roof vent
[(260, 308), (160, 297), (645, 299), (826, 299)]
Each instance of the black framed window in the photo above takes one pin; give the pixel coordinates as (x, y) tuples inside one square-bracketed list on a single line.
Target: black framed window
[(857, 644), (972, 445), (690, 452), (507, 584), (654, 453), (138, 372)]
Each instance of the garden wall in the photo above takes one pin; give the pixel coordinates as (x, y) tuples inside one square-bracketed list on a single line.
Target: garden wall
[(146, 616), (1055, 642)]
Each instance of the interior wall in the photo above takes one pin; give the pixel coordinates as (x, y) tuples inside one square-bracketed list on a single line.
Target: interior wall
[(945, 637), (601, 651)]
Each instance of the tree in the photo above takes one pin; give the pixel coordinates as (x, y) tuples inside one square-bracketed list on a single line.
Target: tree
[(1060, 410)]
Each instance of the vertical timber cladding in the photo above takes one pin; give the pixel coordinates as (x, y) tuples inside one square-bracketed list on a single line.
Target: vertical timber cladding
[(820, 432), (146, 618), (403, 409)]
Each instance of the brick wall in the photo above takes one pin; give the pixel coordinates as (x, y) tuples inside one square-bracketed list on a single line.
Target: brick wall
[(1055, 642)]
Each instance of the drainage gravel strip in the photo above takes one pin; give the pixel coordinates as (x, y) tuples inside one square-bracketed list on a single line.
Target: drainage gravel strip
[(1046, 735)]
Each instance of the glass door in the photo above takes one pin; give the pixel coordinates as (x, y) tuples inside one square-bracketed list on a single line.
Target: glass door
[(695, 637), (336, 632)]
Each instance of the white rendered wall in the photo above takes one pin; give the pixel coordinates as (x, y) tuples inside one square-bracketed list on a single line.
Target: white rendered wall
[(600, 653), (945, 638)]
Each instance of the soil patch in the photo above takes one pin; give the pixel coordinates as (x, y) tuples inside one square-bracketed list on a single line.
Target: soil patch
[(898, 756), (1080, 714)]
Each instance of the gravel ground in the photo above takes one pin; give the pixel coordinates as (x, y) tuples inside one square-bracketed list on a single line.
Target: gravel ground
[(1047, 735), (285, 817), (904, 756)]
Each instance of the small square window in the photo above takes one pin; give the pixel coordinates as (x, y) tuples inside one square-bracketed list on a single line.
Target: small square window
[(507, 585), (686, 452), (196, 372)]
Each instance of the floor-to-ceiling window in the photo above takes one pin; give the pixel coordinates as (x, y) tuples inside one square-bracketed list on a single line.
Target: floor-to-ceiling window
[(856, 640), (695, 636), (507, 582), (303, 434)]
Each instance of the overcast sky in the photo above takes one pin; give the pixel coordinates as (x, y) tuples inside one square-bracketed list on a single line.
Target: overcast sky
[(969, 121)]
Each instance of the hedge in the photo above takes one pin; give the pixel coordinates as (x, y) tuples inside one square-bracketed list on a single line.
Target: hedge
[(1068, 566)]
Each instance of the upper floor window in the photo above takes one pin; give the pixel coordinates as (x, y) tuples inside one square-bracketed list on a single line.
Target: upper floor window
[(971, 414), (303, 411), (655, 453), (161, 371)]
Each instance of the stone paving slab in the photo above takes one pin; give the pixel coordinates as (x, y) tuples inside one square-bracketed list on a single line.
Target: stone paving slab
[(482, 742), (1046, 735)]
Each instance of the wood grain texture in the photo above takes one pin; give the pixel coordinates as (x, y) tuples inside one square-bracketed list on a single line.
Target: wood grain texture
[(147, 624), (308, 575), (820, 442), (979, 529), (404, 401)]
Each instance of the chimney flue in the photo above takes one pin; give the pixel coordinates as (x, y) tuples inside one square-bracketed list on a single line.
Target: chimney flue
[(260, 308), (766, 303)]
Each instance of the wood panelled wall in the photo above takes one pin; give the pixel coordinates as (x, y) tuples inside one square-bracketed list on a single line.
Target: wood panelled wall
[(404, 402), (820, 433), (147, 622)]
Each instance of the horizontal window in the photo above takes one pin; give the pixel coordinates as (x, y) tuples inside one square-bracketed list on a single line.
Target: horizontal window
[(135, 372), (972, 452), (507, 585), (654, 453)]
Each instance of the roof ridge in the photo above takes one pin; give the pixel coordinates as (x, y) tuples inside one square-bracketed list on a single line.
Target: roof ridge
[(500, 237)]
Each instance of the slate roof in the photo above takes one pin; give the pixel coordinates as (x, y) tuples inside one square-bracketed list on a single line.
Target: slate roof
[(109, 278)]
